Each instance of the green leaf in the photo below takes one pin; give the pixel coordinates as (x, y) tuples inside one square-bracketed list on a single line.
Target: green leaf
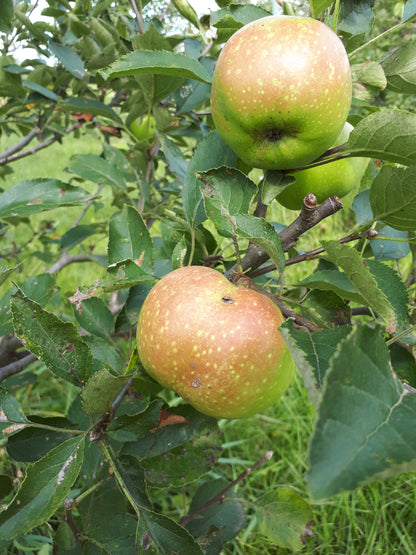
[(263, 234), (187, 11), (230, 19), (69, 59), (157, 62), (332, 280), (388, 135), (318, 6), (100, 390), (10, 410), (32, 443), (369, 73), (95, 317), (284, 517), (129, 239), (76, 235), (393, 197), (92, 167), (166, 536), (227, 192), (316, 349), (212, 152), (219, 523), (385, 247), (46, 485), (357, 271), (38, 195), (361, 434), (399, 67), (409, 10), (179, 253), (35, 87), (174, 157), (55, 342), (6, 15), (89, 106), (176, 453)]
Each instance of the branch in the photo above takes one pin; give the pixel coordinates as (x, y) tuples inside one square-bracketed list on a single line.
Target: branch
[(57, 137), (310, 215), (219, 498), (21, 144), (16, 367), (66, 259)]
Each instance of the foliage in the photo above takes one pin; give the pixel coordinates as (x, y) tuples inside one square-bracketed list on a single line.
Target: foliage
[(109, 462)]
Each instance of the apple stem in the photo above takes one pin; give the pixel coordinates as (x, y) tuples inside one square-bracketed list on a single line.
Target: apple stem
[(220, 497)]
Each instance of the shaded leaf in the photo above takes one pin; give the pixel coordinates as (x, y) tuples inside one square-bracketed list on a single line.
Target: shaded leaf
[(388, 135), (100, 391), (393, 197), (95, 317), (69, 59), (89, 106), (284, 517), (385, 249), (46, 484), (361, 433), (6, 15), (157, 62), (399, 67), (55, 342), (38, 195), (92, 167)]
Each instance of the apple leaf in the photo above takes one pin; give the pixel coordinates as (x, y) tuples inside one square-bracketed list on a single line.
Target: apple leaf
[(68, 58), (156, 62), (89, 106), (174, 156), (360, 435), (409, 10), (38, 195), (230, 19), (369, 73), (316, 350), (92, 167), (332, 280), (399, 67), (212, 152), (10, 410), (130, 241), (55, 342), (6, 15), (100, 390), (95, 317), (390, 244), (318, 6), (387, 135), (356, 269), (393, 197), (218, 523), (177, 453), (227, 192), (46, 485), (284, 517)]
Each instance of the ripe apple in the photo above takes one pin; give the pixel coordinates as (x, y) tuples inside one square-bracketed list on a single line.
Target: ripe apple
[(144, 128), (215, 344), (334, 179), (281, 91)]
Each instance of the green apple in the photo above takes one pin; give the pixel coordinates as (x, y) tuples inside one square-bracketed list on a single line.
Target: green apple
[(281, 91), (144, 128), (334, 179), (215, 344)]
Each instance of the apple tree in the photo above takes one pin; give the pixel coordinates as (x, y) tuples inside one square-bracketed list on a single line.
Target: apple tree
[(97, 456)]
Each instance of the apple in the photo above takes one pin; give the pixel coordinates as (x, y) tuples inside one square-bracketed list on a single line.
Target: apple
[(214, 343), (327, 180), (144, 127), (281, 91)]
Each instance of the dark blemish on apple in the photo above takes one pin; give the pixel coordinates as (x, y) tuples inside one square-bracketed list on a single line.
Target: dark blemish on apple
[(192, 364), (227, 300)]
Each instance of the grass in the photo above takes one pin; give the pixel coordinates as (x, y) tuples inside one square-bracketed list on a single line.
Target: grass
[(379, 518)]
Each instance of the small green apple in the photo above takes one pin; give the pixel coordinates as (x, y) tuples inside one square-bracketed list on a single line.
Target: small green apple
[(144, 127), (281, 91), (334, 179), (216, 344)]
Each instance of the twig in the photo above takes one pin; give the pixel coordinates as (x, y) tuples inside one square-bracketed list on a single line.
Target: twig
[(66, 259), (138, 16), (21, 144), (310, 215), (57, 137), (219, 498), (121, 396), (16, 367)]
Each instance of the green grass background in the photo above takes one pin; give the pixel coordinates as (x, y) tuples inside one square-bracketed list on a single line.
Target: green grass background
[(377, 519)]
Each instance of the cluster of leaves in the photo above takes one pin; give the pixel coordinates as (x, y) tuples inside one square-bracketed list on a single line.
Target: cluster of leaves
[(99, 472)]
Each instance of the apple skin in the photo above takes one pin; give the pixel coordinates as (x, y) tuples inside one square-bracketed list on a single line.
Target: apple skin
[(144, 128), (215, 344), (334, 179), (281, 91)]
